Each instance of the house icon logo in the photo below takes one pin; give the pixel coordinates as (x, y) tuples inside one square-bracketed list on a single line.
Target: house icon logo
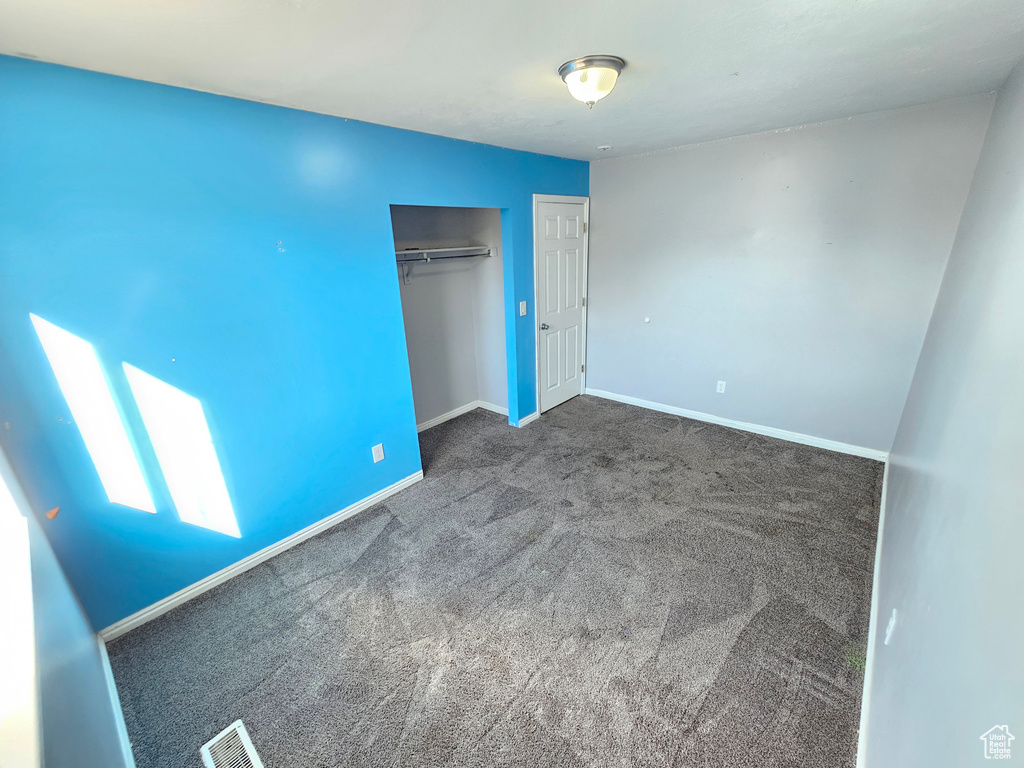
[(997, 742)]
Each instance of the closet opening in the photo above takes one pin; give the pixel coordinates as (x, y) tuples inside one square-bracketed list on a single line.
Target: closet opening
[(450, 277)]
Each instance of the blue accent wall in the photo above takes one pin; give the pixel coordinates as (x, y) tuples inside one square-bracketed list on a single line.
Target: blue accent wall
[(242, 253)]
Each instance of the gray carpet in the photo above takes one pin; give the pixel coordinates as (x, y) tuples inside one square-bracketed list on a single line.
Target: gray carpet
[(608, 586)]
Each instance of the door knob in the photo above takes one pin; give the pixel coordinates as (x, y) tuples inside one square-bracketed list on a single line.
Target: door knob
[(544, 326)]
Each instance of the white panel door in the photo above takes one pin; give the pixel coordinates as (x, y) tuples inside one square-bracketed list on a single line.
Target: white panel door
[(560, 243)]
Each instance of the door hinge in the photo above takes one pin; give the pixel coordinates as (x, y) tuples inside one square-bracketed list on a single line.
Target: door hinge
[(583, 368), (584, 301), (584, 227)]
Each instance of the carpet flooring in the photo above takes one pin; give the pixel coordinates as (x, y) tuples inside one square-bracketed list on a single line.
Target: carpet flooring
[(608, 586)]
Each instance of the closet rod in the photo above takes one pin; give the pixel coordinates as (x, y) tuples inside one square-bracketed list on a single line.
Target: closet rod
[(442, 258), (406, 259), (435, 254)]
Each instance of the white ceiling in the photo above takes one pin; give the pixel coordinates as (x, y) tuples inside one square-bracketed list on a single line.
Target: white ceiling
[(485, 70)]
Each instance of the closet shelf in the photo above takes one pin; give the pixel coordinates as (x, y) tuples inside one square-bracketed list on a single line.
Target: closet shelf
[(436, 254)]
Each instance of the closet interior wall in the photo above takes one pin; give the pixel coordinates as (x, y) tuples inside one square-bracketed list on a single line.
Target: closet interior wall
[(453, 311)]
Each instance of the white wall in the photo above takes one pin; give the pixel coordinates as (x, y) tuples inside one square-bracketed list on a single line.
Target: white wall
[(488, 302), (20, 736), (453, 311), (952, 556), (800, 266), (79, 721)]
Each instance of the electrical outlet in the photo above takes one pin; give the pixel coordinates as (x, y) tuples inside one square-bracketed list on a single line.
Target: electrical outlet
[(522, 309), (721, 388), (378, 452)]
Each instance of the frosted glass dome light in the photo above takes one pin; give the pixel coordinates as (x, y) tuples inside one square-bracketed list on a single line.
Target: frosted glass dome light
[(591, 78)]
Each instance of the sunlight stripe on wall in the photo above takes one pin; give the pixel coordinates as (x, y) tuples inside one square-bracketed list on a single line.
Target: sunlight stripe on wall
[(184, 448), (92, 407)]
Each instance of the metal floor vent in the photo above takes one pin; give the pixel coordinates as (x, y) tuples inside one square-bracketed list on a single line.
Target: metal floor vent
[(231, 748)]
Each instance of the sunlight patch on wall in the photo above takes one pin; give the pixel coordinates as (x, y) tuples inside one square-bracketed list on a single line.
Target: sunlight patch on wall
[(92, 407), (184, 448)]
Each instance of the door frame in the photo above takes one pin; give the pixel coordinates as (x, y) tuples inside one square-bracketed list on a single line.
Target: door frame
[(537, 200)]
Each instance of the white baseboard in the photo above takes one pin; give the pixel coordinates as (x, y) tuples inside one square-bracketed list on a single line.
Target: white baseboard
[(459, 411), (127, 757), (173, 601), (499, 409), (528, 418), (869, 662), (782, 434)]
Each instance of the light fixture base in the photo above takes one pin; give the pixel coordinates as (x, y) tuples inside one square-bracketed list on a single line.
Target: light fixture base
[(583, 62)]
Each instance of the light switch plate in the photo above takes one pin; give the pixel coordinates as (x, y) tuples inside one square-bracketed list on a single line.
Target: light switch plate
[(522, 309), (378, 452)]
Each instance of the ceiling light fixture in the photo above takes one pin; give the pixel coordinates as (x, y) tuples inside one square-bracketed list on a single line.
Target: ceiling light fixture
[(591, 78)]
